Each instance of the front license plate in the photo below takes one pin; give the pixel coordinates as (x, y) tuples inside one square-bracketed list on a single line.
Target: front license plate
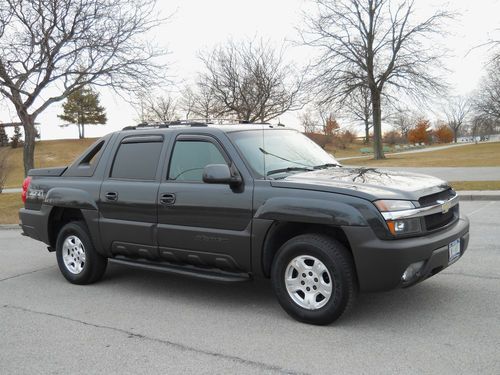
[(454, 251)]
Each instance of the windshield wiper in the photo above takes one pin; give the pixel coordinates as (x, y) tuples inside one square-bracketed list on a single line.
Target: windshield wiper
[(289, 169), (327, 165)]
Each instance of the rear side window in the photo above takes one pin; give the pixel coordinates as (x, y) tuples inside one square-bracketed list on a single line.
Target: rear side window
[(189, 158), (93, 155), (86, 164), (137, 160)]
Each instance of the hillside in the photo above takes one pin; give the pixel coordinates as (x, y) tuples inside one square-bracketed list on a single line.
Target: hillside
[(47, 154)]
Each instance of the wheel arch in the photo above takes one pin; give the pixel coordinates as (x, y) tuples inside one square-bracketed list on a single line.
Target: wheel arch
[(282, 231), (61, 215)]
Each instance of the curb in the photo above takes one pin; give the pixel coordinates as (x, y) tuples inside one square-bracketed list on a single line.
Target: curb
[(479, 195), (10, 227)]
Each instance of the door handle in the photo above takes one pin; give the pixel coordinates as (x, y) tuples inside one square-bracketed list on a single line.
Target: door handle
[(111, 196), (167, 199)]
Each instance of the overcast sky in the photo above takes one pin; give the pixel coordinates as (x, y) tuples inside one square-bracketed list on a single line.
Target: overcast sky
[(197, 25)]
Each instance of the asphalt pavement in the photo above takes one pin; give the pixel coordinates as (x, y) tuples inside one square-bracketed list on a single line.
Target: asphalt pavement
[(414, 151), (139, 322)]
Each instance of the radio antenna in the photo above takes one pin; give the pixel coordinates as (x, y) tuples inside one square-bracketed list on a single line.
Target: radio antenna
[(264, 154)]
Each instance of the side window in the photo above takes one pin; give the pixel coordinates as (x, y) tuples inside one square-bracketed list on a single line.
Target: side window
[(137, 160), (86, 164), (92, 156), (189, 158)]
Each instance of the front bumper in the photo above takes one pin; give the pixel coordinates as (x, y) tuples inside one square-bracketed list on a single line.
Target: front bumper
[(381, 263)]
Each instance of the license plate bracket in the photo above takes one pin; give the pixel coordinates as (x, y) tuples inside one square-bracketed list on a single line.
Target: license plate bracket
[(454, 251)]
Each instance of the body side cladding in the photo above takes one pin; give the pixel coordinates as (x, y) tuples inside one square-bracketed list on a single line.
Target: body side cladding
[(311, 211), (70, 197), (280, 219), (64, 199), (56, 216)]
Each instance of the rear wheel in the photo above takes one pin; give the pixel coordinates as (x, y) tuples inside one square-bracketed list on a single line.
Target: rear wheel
[(76, 256), (313, 278)]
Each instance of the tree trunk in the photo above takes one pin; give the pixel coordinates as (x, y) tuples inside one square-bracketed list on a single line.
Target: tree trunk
[(83, 132), (367, 132), (378, 151), (28, 122)]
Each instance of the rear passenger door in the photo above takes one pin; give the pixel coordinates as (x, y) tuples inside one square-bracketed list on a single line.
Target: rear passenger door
[(127, 205)]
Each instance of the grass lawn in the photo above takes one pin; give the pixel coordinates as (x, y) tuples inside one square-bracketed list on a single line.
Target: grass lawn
[(474, 155), (475, 185), (353, 149), (9, 206), (47, 154), (350, 150)]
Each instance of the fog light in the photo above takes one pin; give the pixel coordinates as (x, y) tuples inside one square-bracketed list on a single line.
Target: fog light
[(399, 226), (412, 271), (404, 226)]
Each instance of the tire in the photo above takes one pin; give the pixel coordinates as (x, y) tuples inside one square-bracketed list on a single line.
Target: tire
[(327, 266), (76, 256)]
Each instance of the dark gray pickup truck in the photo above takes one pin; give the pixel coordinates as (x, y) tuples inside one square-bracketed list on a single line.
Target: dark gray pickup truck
[(233, 202)]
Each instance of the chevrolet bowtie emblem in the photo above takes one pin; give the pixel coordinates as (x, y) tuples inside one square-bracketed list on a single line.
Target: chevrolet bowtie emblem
[(445, 206)]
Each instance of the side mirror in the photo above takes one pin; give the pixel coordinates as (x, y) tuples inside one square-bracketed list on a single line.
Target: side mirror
[(221, 174)]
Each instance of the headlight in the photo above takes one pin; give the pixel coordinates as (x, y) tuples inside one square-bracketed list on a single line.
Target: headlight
[(400, 226), (393, 205)]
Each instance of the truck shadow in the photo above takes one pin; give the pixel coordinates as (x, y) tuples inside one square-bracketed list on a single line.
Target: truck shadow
[(381, 309)]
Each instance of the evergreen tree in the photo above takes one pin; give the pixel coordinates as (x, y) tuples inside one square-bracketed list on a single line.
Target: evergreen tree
[(83, 108), (15, 140), (4, 140)]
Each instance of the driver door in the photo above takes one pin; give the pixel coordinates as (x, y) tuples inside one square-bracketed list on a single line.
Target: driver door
[(199, 223)]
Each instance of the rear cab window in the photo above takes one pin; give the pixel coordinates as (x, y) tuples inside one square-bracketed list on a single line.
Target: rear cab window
[(137, 158)]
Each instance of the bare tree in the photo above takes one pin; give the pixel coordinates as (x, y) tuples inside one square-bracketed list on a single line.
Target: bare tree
[(201, 102), (487, 100), (481, 125), (375, 44), (251, 80), (309, 121), (319, 118), (328, 119), (51, 48), (187, 101), (160, 109), (456, 111), (403, 121), (359, 106)]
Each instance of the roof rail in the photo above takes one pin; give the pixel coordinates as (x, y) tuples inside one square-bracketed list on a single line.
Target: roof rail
[(193, 123), (168, 124)]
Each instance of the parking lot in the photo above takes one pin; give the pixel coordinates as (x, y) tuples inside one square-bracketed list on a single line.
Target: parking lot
[(135, 321)]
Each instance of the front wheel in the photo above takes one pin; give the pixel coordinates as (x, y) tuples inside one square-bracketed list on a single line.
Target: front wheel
[(314, 279), (77, 258)]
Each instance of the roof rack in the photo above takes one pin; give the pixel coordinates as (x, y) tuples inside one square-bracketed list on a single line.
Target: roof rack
[(193, 123), (168, 124)]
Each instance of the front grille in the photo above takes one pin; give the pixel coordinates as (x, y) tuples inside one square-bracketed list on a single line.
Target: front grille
[(439, 220), (432, 199)]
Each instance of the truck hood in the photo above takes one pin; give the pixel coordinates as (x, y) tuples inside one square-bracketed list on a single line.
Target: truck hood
[(368, 183)]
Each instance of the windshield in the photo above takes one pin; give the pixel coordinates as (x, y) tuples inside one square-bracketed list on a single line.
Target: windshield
[(276, 153)]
